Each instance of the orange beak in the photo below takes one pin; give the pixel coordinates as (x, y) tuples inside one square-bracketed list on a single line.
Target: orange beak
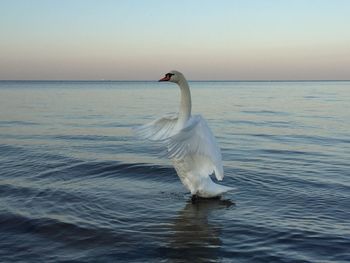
[(166, 78)]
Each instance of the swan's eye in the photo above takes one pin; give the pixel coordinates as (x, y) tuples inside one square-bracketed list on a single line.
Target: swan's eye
[(168, 75)]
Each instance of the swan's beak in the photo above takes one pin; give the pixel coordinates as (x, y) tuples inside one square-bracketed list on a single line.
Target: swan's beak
[(166, 78)]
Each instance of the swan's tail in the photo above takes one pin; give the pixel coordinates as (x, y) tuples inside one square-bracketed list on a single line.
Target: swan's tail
[(222, 189), (212, 189)]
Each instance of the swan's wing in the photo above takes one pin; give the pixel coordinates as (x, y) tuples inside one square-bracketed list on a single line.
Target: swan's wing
[(196, 139), (159, 129)]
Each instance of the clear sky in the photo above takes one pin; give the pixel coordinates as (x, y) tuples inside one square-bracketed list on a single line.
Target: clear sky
[(205, 39)]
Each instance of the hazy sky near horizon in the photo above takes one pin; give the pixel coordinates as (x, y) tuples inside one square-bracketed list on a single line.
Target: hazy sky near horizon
[(205, 39)]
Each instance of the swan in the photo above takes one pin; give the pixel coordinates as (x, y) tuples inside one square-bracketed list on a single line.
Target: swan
[(189, 143)]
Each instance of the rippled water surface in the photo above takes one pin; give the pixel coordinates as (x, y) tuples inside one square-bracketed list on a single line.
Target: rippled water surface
[(77, 186)]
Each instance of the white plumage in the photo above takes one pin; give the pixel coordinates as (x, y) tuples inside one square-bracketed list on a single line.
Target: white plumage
[(190, 144)]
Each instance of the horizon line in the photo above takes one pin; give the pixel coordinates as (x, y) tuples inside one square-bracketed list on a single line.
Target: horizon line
[(190, 80)]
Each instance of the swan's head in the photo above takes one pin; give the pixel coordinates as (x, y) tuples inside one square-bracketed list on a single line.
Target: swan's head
[(173, 76)]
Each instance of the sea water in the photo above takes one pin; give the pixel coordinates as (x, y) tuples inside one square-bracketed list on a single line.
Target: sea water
[(76, 185)]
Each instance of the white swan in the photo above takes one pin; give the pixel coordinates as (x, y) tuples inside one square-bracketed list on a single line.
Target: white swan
[(189, 143)]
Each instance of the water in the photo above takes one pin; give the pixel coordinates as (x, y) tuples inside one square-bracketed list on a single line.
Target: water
[(77, 186)]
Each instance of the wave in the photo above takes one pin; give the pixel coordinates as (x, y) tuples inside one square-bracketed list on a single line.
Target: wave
[(17, 123), (75, 234), (54, 163)]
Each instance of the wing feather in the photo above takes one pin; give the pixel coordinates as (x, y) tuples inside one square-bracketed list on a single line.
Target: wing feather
[(196, 139), (159, 129)]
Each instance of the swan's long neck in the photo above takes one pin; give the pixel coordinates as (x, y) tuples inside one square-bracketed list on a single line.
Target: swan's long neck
[(185, 105)]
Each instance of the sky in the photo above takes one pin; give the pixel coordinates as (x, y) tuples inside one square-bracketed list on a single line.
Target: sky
[(204, 39)]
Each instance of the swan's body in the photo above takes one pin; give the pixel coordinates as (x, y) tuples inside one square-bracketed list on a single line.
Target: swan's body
[(190, 144)]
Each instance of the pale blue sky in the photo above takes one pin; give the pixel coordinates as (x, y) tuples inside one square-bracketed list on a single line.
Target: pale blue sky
[(130, 39)]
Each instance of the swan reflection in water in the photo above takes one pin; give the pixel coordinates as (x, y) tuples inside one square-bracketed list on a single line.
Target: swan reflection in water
[(194, 238)]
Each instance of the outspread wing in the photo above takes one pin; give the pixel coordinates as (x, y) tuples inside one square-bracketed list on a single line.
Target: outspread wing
[(196, 139), (159, 129)]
